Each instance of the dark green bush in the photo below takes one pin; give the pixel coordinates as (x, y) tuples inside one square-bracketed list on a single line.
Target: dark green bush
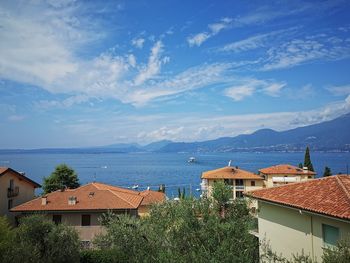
[(100, 256)]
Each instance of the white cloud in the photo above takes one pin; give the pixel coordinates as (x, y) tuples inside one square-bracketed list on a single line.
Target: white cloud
[(153, 66), (239, 92), (16, 118), (215, 28), (198, 39), (249, 86), (138, 42), (300, 51), (340, 90), (257, 41)]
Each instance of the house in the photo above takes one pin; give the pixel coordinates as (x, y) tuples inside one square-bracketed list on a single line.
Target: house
[(239, 179), (82, 207), (284, 174), (306, 216), (15, 189)]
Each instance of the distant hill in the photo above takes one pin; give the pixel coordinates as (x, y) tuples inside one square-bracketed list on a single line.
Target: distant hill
[(331, 135)]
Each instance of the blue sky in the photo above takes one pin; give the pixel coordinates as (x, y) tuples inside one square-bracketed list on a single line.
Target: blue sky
[(86, 73)]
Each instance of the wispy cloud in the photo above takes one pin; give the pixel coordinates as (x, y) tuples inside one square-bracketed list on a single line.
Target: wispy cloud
[(249, 86), (214, 29), (257, 41), (154, 64), (138, 42), (300, 51), (340, 90)]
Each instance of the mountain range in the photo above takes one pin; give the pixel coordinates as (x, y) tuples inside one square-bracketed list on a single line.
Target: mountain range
[(333, 135)]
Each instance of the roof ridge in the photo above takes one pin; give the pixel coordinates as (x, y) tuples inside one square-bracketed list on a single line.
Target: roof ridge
[(339, 181), (116, 194)]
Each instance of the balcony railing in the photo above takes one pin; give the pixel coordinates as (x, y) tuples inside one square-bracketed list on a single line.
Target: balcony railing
[(12, 192), (239, 187)]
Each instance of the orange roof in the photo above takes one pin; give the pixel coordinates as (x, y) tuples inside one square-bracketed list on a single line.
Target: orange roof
[(93, 196), (230, 172), (285, 169), (329, 195), (152, 197), (4, 170)]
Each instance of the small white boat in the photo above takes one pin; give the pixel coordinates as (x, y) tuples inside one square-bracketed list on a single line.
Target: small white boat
[(135, 186), (191, 160)]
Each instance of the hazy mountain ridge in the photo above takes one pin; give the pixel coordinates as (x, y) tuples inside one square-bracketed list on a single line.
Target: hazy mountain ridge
[(333, 135)]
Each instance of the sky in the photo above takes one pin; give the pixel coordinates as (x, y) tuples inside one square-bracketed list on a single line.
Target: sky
[(91, 73)]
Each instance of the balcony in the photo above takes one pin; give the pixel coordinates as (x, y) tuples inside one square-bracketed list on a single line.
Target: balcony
[(12, 192), (239, 187)]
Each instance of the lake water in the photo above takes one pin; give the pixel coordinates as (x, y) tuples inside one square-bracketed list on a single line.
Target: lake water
[(153, 169)]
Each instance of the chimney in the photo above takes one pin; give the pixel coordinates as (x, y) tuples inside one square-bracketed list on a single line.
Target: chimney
[(72, 200), (44, 200), (229, 163), (305, 169)]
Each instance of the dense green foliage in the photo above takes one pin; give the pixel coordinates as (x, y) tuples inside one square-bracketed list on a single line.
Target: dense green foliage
[(6, 236), (62, 177), (99, 256), (339, 253), (307, 160), (327, 171), (184, 231), (38, 240)]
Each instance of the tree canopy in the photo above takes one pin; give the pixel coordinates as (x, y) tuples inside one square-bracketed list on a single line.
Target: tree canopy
[(307, 160), (41, 241), (62, 177), (327, 171)]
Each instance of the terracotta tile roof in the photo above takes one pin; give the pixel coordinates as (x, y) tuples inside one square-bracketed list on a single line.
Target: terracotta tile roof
[(329, 196), (285, 169), (93, 196), (230, 172), (151, 197), (4, 170)]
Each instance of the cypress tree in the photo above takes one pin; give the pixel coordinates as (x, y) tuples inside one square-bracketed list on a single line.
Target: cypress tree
[(327, 171), (307, 160)]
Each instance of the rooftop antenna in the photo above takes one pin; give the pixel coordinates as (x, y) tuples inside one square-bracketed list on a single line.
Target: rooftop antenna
[(229, 163)]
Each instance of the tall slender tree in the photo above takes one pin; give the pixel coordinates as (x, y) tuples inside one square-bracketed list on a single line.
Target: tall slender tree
[(307, 160), (327, 171)]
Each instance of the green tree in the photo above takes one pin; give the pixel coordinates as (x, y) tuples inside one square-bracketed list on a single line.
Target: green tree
[(6, 237), (222, 194), (39, 240), (300, 165), (62, 177), (338, 254), (307, 160), (186, 231), (327, 171)]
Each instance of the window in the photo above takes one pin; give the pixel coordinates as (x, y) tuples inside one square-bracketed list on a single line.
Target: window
[(85, 220), (239, 181), (252, 183), (228, 181), (9, 204), (57, 219), (239, 194), (11, 184), (330, 235)]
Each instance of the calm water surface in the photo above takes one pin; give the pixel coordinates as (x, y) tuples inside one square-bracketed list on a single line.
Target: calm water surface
[(153, 169)]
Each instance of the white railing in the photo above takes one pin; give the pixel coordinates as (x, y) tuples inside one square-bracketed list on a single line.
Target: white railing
[(284, 179), (239, 187)]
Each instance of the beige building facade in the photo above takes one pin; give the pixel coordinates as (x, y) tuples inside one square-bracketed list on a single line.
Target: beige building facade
[(15, 189), (285, 174), (238, 179)]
